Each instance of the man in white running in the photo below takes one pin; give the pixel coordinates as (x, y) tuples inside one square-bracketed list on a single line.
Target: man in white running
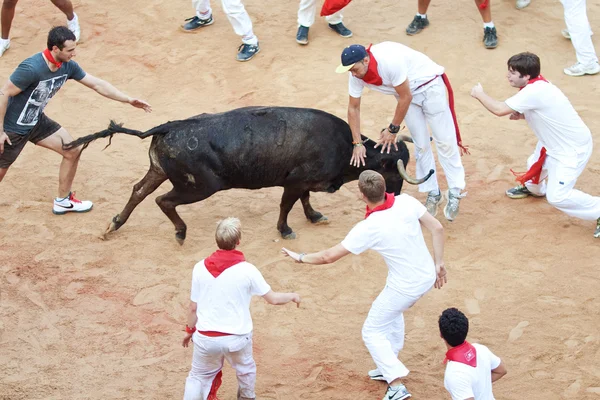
[(8, 14), (580, 33), (393, 228), (23, 99), (219, 320), (420, 86), (564, 141), (471, 368)]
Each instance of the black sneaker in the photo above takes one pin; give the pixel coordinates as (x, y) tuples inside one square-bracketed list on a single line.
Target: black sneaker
[(519, 192), (302, 35), (247, 51), (195, 23), (417, 25), (341, 30), (490, 38)]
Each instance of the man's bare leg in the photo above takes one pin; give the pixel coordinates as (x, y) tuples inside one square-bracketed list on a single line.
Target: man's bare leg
[(7, 16), (66, 7)]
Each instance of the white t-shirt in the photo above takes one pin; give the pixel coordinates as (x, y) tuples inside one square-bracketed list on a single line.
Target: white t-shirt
[(395, 64), (463, 381), (224, 301), (553, 120), (396, 234)]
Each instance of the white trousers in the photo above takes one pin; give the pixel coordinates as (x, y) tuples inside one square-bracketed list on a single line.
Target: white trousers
[(430, 107), (383, 332), (308, 11), (557, 184), (579, 28), (235, 11), (207, 361)]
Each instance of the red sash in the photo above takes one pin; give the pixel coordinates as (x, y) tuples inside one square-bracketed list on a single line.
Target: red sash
[(332, 6), (216, 383), (388, 203), (220, 260), (50, 58), (465, 354), (535, 171)]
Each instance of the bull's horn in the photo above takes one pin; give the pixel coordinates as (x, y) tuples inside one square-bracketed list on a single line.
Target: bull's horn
[(404, 138), (409, 179)]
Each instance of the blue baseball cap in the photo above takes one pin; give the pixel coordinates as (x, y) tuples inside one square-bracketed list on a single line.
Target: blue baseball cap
[(350, 56)]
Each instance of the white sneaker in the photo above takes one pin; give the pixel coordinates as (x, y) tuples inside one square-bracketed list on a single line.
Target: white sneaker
[(579, 69), (73, 26), (396, 393), (452, 206), (4, 45), (566, 34), (71, 204), (520, 4), (375, 375)]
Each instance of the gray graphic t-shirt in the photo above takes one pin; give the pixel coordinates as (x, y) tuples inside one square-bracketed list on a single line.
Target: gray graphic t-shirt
[(38, 85)]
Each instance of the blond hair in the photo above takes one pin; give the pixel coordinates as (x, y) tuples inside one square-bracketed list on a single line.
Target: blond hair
[(372, 185), (229, 233)]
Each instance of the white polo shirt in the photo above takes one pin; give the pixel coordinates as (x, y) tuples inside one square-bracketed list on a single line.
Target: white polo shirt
[(224, 301), (463, 381), (396, 234), (553, 120), (395, 64)]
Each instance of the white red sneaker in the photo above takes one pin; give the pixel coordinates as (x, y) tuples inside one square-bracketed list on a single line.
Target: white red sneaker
[(73, 26), (4, 45), (71, 204)]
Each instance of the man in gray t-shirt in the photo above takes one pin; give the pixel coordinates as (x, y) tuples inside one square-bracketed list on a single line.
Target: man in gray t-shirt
[(23, 99)]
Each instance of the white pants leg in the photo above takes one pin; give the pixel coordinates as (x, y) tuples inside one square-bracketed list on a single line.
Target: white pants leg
[(240, 20), (307, 13), (383, 332), (579, 28), (202, 7), (207, 361), (537, 189)]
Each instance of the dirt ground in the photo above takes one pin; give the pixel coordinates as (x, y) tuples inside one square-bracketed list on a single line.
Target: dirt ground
[(83, 318)]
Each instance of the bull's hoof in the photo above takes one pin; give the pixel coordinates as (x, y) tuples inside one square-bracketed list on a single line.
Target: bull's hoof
[(113, 226), (322, 220), (289, 236), (180, 237)]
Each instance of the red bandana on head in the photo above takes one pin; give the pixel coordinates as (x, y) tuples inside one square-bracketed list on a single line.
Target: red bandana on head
[(388, 203), (220, 260), (534, 173), (465, 354), (50, 58)]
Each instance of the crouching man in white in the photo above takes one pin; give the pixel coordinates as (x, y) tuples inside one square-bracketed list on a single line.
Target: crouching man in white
[(471, 368), (392, 227), (219, 316), (564, 141)]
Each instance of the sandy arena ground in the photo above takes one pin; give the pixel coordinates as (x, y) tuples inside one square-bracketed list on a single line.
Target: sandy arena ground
[(83, 318)]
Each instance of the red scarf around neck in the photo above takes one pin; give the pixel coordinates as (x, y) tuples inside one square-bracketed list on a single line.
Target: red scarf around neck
[(220, 260), (534, 173), (50, 58), (465, 354), (388, 203), (372, 76)]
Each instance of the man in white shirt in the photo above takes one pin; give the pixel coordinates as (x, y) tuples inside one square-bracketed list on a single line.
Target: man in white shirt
[(471, 368), (418, 85), (392, 227), (564, 141), (219, 321)]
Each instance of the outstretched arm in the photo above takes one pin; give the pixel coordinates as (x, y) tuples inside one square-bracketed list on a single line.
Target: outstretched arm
[(107, 90), (496, 107), (437, 232), (328, 256)]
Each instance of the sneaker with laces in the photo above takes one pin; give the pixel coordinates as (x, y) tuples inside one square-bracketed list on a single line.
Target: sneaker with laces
[(375, 375), (396, 393), (73, 26), (4, 45), (417, 25), (490, 38), (521, 4), (433, 200), (451, 209), (519, 192), (71, 204), (341, 30), (195, 23), (597, 232), (578, 69), (302, 35), (247, 51)]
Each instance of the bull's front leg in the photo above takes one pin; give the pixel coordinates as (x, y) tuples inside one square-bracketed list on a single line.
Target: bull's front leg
[(314, 216), (289, 198)]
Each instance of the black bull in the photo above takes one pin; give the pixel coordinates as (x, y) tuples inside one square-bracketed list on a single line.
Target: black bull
[(301, 149)]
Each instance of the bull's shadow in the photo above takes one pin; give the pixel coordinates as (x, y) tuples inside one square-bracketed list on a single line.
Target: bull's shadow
[(303, 150)]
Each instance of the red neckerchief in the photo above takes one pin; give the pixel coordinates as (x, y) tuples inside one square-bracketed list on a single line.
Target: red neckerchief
[(388, 203), (534, 173), (372, 76), (50, 58), (465, 354), (220, 260)]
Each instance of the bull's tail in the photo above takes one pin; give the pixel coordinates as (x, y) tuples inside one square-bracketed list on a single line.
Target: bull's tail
[(113, 128)]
